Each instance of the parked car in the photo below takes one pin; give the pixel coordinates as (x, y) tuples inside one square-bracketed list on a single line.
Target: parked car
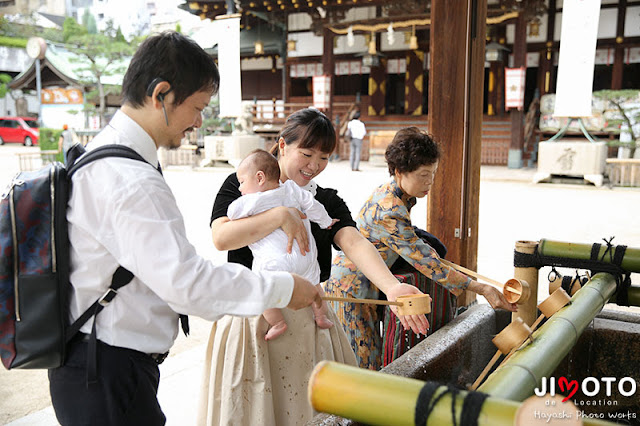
[(19, 129)]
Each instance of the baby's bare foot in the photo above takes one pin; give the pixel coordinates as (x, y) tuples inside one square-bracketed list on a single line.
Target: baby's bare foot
[(323, 322), (276, 330)]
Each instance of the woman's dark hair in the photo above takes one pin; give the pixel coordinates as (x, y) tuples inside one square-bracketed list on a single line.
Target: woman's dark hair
[(311, 129), (174, 58), (410, 149), (356, 115)]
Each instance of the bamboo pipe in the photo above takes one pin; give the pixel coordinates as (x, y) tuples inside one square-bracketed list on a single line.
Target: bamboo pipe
[(528, 310), (634, 296), (518, 377), (519, 296), (630, 261), (376, 398)]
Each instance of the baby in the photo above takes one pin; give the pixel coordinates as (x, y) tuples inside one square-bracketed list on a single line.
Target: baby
[(259, 177)]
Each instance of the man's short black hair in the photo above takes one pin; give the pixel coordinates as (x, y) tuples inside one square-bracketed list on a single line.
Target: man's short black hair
[(174, 58)]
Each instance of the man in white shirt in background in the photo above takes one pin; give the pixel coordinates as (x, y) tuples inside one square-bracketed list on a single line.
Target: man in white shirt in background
[(122, 213), (358, 131)]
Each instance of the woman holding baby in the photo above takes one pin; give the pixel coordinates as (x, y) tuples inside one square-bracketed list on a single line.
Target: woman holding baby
[(249, 380)]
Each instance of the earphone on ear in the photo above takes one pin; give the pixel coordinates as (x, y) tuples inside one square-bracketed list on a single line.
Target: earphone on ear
[(151, 87)]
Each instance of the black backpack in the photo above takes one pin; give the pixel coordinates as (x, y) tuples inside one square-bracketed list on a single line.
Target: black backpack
[(34, 263)]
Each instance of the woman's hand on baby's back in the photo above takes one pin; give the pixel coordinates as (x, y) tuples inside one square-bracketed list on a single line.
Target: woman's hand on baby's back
[(292, 225), (304, 294)]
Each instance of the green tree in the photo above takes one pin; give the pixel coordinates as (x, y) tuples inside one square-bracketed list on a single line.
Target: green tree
[(71, 29), (4, 80), (89, 22), (626, 103), (119, 36), (100, 55)]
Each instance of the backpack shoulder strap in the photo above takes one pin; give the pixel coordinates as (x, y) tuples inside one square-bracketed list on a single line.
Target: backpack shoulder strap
[(104, 152), (120, 278)]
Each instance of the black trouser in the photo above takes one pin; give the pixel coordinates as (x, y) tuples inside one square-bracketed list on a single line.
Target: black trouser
[(125, 393)]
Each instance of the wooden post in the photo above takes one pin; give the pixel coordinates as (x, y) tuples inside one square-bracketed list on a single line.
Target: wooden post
[(545, 69), (413, 83), (377, 88), (456, 86), (528, 311), (328, 65), (517, 116), (618, 57)]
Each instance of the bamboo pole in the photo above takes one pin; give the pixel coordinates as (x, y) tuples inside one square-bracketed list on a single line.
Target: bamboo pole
[(528, 310), (518, 377), (377, 398), (634, 296), (630, 261)]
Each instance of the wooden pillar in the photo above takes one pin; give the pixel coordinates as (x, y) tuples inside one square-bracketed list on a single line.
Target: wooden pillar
[(413, 83), (496, 77), (517, 116), (618, 58), (378, 88), (546, 83), (496, 88), (328, 65), (456, 86)]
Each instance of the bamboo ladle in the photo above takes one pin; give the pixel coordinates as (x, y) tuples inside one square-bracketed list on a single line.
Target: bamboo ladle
[(508, 339), (416, 304), (549, 306), (514, 290)]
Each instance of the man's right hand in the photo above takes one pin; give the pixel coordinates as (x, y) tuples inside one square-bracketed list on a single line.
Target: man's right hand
[(304, 294)]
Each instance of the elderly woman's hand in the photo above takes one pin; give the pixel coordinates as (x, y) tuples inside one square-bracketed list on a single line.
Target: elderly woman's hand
[(496, 299), (417, 323)]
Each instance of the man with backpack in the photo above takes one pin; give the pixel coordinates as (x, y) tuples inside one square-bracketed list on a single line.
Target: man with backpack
[(122, 214)]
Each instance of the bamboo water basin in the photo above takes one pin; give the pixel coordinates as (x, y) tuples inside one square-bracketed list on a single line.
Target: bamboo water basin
[(458, 352)]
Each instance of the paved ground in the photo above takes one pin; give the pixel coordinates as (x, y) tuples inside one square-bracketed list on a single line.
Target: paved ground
[(511, 208)]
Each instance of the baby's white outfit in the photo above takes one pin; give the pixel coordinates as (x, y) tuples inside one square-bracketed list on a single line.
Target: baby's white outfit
[(270, 252)]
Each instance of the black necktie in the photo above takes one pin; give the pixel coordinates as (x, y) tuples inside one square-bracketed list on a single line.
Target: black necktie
[(184, 320)]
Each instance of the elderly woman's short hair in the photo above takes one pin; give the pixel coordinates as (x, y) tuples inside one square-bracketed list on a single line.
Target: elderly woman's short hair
[(410, 149)]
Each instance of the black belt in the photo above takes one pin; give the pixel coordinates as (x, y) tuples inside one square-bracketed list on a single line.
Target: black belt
[(157, 358)]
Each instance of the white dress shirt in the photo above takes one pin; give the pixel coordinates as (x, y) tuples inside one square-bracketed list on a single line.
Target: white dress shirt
[(123, 213), (270, 252), (358, 130)]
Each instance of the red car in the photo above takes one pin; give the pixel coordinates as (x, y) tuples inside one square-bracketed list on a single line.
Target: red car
[(22, 130)]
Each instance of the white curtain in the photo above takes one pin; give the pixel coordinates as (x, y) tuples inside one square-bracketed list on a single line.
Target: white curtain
[(577, 56), (229, 66)]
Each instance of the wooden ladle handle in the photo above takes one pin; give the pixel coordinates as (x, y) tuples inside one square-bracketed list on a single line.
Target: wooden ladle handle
[(354, 300), (472, 273), (415, 304)]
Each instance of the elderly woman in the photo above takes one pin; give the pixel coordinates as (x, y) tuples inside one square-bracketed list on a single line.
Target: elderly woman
[(385, 221)]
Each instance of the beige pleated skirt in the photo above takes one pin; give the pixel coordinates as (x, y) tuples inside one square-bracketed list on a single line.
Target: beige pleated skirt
[(248, 381)]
